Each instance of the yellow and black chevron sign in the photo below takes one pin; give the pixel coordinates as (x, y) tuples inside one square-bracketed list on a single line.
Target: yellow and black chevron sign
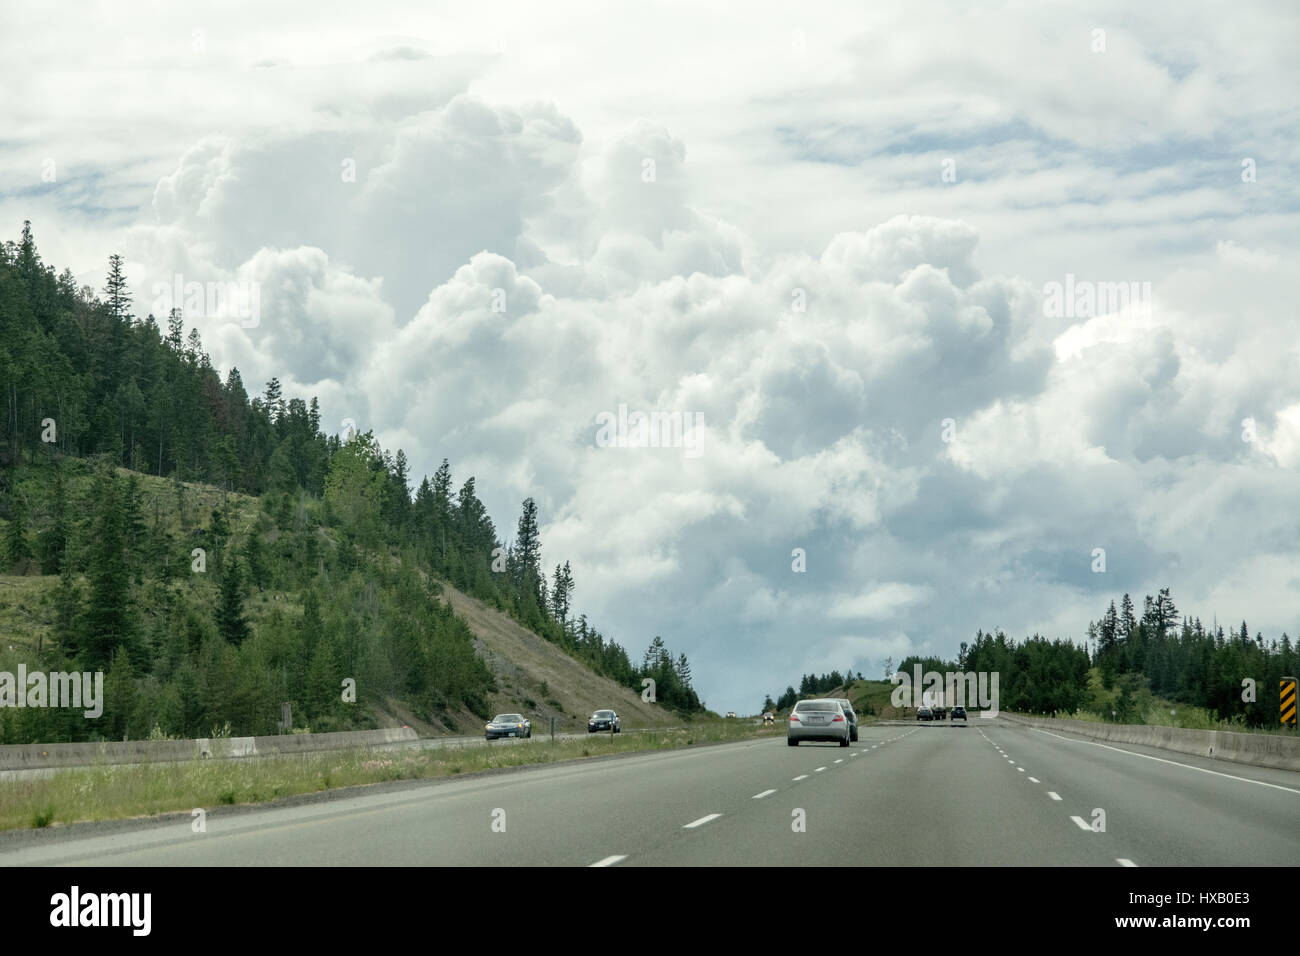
[(1286, 700)]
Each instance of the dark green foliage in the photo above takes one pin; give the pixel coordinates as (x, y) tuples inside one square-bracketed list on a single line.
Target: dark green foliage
[(229, 616), (109, 622)]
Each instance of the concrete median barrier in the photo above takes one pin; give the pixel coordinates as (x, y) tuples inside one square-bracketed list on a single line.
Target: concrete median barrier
[(1258, 750), (59, 756)]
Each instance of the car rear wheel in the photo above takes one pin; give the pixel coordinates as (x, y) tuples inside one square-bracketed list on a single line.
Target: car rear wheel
[(845, 741), (791, 742)]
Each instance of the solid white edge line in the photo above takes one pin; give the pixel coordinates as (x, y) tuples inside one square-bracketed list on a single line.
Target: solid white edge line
[(609, 860), (701, 821), (760, 796), (1082, 824), (1185, 766)]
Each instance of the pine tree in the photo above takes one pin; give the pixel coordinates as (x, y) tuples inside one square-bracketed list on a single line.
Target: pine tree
[(684, 671), (274, 401), (528, 554), (229, 613), (653, 654), (18, 552), (256, 560), (175, 331), (311, 627), (52, 542), (67, 611), (1127, 621), (561, 595), (117, 290), (109, 619), (133, 532)]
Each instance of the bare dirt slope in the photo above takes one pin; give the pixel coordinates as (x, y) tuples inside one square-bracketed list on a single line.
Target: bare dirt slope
[(539, 680)]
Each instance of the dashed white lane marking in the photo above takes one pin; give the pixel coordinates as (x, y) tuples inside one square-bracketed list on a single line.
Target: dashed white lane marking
[(1082, 824), (802, 776), (1185, 766), (819, 770), (1034, 780), (1123, 862), (1053, 794), (1010, 761), (765, 793), (1021, 769), (841, 760), (701, 821), (610, 860)]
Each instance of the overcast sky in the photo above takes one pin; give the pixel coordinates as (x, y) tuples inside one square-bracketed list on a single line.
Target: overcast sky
[(826, 236)]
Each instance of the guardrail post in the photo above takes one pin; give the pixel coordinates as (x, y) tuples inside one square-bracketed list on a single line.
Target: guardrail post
[(552, 728)]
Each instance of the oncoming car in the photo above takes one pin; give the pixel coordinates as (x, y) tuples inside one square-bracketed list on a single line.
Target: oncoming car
[(508, 725), (818, 720), (604, 720)]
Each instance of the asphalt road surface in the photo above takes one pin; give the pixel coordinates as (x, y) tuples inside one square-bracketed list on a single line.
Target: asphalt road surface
[(989, 794)]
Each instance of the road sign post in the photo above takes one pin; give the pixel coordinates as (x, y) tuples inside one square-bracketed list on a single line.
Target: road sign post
[(1287, 702)]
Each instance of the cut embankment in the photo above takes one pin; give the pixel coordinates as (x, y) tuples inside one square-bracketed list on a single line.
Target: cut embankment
[(540, 680)]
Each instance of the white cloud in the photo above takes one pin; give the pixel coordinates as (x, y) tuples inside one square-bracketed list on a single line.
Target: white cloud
[(503, 269)]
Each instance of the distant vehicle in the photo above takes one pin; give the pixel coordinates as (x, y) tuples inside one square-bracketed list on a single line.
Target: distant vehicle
[(817, 720), (769, 718), (508, 725), (604, 720), (958, 713), (730, 713), (849, 713), (924, 713)]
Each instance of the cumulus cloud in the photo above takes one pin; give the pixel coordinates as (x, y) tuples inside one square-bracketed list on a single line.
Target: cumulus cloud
[(465, 244)]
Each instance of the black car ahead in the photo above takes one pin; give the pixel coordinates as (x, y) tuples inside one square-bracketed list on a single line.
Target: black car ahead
[(958, 713), (604, 720), (853, 717)]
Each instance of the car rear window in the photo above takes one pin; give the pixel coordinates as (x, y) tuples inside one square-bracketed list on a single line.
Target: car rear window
[(815, 706)]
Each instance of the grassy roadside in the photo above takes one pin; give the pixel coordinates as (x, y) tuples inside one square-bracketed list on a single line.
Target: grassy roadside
[(123, 792)]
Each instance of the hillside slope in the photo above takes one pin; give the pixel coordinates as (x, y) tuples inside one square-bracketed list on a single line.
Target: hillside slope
[(539, 679)]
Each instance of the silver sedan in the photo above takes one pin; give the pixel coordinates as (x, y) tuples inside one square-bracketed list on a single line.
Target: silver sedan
[(818, 720)]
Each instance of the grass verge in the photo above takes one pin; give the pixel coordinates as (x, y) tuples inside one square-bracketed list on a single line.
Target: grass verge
[(123, 792)]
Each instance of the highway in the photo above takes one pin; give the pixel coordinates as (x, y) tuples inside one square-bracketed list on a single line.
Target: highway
[(989, 794)]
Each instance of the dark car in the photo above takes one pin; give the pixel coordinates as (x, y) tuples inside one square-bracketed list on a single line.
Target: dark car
[(508, 725), (958, 713), (924, 713), (604, 720), (853, 717)]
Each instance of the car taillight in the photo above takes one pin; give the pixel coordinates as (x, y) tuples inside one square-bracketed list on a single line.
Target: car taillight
[(794, 716), (837, 719)]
